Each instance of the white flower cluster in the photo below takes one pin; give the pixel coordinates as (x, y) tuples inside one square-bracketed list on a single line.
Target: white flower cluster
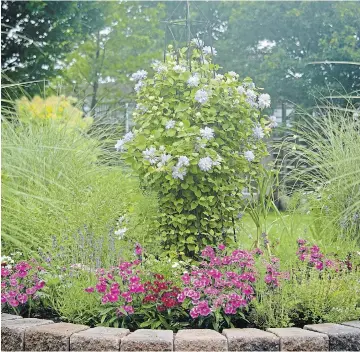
[(179, 170), (206, 164), (207, 133), (120, 144), (159, 67), (201, 96), (208, 50), (251, 98), (121, 231), (179, 68), (164, 158), (264, 101), (138, 86), (138, 75), (249, 155), (273, 123), (258, 132), (194, 80), (149, 154), (197, 42), (141, 107), (170, 124)]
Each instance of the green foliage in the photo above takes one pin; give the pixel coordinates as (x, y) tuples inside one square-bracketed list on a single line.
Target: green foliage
[(64, 294), (127, 38), (55, 108), (309, 297), (197, 207), (27, 25), (52, 177), (273, 42), (327, 167)]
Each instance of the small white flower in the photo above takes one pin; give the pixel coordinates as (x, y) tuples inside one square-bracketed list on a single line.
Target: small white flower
[(175, 265), (183, 161), (139, 75), (197, 42), (120, 233), (141, 107), (138, 86), (241, 90), (149, 154), (179, 69), (128, 137), (121, 219), (162, 148), (164, 158), (178, 172), (198, 114), (193, 81), (264, 101), (251, 98), (159, 67), (207, 133), (119, 146), (219, 77), (205, 164), (258, 132), (273, 123), (250, 85), (170, 124), (201, 96), (232, 74), (249, 155), (208, 50)]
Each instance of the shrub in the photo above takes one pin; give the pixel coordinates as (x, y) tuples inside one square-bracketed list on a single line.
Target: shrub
[(198, 140), (54, 108), (53, 184)]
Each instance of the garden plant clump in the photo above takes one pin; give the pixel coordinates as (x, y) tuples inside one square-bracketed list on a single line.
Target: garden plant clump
[(198, 141), (177, 194)]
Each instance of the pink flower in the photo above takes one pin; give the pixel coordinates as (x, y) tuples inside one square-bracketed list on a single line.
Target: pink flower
[(134, 279), (301, 242), (13, 282), (186, 278), (100, 287), (229, 309), (203, 308), (129, 309), (5, 272), (22, 273), (89, 289), (22, 266), (319, 265), (13, 302), (3, 298), (12, 294), (138, 249), (181, 297), (221, 246), (22, 298), (113, 297), (31, 290), (194, 313), (40, 285)]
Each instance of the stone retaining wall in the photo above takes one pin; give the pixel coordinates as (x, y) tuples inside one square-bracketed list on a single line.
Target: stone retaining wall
[(29, 334)]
